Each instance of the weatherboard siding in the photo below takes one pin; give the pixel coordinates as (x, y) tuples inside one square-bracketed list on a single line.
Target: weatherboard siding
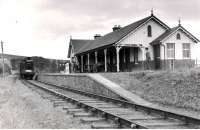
[(178, 45), (140, 36)]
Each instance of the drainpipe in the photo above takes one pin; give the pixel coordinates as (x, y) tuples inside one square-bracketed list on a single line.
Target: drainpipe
[(164, 55)]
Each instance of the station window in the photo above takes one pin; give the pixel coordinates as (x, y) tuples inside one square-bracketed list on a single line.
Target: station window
[(149, 31), (178, 36), (186, 50), (171, 50)]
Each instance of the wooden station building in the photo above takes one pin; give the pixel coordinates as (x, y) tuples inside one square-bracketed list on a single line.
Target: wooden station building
[(124, 48)]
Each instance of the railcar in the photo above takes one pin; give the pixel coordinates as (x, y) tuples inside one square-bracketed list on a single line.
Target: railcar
[(27, 68)]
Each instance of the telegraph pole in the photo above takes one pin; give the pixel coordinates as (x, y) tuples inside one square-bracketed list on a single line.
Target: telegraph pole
[(2, 56)]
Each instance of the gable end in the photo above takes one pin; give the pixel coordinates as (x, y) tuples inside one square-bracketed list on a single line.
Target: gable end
[(188, 34), (153, 18)]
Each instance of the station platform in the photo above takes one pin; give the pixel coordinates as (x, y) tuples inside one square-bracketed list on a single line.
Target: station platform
[(119, 90)]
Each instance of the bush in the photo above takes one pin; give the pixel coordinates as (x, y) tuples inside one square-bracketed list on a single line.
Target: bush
[(7, 68)]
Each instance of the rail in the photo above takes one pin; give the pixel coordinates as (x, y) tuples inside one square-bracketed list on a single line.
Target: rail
[(126, 104)]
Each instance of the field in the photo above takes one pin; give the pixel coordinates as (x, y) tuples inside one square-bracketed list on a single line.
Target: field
[(179, 88)]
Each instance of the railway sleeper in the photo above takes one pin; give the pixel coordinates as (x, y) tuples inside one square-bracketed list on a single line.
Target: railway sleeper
[(104, 126), (175, 127), (106, 106), (158, 122), (141, 117), (60, 103), (73, 110), (56, 99), (69, 107), (82, 114), (92, 119)]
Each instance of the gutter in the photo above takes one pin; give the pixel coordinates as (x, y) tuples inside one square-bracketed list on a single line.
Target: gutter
[(164, 55)]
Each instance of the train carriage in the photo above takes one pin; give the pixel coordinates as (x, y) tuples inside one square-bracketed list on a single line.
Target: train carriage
[(27, 68)]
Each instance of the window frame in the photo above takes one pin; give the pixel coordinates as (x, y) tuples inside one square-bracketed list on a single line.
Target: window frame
[(178, 36), (186, 49), (170, 50), (149, 31)]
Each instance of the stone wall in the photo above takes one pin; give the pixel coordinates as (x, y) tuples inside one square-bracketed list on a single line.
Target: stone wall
[(80, 82)]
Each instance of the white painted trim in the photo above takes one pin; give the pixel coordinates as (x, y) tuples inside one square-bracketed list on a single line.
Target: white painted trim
[(189, 34), (129, 45), (186, 49), (176, 31), (140, 27), (169, 36), (174, 51)]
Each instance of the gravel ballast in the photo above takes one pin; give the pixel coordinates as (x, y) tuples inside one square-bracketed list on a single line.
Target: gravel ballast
[(20, 107)]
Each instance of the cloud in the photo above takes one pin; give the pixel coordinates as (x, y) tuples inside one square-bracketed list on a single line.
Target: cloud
[(44, 23), (80, 15)]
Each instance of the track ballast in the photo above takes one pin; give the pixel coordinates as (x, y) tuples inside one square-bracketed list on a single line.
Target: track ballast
[(105, 112)]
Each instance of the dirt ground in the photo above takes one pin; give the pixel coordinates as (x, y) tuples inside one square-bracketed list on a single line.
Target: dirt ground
[(179, 88), (20, 107)]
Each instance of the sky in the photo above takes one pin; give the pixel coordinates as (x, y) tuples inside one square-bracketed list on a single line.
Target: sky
[(43, 27)]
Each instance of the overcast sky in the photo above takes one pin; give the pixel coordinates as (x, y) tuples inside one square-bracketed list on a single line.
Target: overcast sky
[(43, 27)]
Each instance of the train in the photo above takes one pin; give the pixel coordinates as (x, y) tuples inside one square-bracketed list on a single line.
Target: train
[(27, 68)]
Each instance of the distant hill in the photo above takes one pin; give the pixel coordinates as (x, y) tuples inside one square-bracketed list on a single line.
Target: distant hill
[(41, 64), (9, 56)]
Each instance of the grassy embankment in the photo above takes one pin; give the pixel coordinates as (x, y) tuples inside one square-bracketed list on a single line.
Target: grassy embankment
[(174, 88)]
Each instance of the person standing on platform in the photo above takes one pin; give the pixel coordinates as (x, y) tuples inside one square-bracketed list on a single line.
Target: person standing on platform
[(148, 58)]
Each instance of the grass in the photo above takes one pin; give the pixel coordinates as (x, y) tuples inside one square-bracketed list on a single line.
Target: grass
[(179, 88)]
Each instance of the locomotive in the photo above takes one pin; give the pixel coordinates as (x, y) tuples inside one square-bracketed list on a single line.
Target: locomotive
[(27, 68)]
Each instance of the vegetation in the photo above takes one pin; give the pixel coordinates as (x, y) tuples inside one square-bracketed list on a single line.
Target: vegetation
[(177, 88), (42, 65), (7, 69)]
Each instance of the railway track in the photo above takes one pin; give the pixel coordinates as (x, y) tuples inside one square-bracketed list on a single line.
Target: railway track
[(105, 112)]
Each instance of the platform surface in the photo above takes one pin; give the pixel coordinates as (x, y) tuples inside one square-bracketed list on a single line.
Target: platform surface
[(119, 90)]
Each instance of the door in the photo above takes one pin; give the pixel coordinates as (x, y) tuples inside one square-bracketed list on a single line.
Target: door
[(127, 59), (157, 60), (135, 53), (124, 55)]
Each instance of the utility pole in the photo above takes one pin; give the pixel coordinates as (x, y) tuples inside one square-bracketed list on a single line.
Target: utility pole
[(2, 56)]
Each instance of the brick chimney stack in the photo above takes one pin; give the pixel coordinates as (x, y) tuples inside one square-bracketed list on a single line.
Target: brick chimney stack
[(97, 36), (116, 27)]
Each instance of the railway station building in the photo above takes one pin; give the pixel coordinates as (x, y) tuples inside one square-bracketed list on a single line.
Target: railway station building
[(125, 48)]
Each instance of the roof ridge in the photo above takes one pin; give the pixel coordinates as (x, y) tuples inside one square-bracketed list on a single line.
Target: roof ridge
[(130, 24), (125, 30), (115, 36), (189, 33), (169, 32)]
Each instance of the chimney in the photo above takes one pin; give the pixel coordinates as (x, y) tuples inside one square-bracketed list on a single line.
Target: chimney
[(97, 36), (116, 27)]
